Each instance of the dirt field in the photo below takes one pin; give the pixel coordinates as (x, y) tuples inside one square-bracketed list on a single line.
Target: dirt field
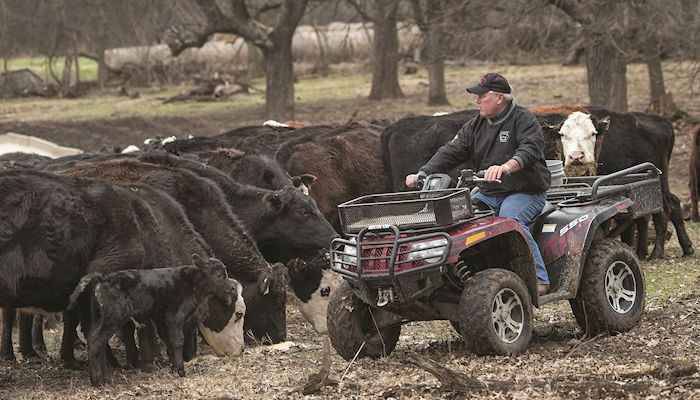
[(657, 359)]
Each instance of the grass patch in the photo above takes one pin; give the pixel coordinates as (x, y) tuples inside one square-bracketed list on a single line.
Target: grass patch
[(674, 277), (88, 67)]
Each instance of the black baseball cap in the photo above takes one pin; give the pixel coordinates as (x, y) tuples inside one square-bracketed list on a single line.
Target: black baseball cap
[(490, 81)]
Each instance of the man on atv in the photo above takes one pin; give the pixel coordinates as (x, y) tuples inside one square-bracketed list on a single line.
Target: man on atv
[(506, 141)]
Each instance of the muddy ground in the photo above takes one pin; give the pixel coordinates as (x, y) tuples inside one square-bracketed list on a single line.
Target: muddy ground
[(657, 359)]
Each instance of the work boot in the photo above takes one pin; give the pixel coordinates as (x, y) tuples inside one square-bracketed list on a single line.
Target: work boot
[(542, 289)]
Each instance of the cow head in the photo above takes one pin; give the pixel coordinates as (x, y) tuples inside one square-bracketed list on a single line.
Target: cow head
[(297, 222), (223, 326), (266, 300), (581, 139), (312, 282)]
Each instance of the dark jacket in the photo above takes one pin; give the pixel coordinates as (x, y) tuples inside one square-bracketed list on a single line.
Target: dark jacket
[(516, 134)]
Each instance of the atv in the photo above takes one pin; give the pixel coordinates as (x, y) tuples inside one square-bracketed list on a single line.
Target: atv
[(436, 255)]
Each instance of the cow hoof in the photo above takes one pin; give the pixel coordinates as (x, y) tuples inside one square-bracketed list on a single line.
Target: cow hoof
[(9, 357), (181, 372), (74, 364), (689, 251), (148, 366), (30, 354)]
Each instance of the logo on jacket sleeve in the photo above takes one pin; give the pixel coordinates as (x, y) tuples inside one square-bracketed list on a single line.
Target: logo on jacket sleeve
[(503, 136)]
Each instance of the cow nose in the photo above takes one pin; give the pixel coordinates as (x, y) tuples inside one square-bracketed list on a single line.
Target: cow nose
[(576, 157)]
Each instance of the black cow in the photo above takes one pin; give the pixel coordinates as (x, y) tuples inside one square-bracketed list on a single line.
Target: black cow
[(263, 140), (55, 229), (174, 298), (693, 172), (284, 223), (206, 208), (410, 142)]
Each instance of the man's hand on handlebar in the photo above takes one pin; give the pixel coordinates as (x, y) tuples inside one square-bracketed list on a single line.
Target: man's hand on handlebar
[(495, 172), (416, 180)]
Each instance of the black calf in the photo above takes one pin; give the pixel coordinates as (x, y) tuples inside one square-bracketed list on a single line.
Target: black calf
[(174, 298)]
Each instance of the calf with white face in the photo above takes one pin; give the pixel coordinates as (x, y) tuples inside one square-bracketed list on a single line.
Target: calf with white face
[(223, 327), (312, 282)]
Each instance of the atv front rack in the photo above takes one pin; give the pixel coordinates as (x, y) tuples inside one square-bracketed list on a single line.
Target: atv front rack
[(406, 209)]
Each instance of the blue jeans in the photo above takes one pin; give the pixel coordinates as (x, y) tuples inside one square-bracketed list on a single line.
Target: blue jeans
[(523, 208)]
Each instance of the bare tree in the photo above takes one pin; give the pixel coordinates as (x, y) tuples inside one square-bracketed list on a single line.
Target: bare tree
[(605, 58), (385, 46), (275, 43), (430, 17)]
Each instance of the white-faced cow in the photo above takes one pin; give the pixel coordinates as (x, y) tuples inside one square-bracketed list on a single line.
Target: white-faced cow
[(603, 142)]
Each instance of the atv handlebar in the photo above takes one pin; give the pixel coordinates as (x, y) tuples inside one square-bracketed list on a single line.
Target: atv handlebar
[(467, 176)]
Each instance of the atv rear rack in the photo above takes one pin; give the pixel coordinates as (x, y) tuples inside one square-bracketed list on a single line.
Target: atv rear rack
[(406, 209), (644, 189)]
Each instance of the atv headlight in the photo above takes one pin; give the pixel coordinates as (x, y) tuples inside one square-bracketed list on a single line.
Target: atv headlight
[(430, 251), (348, 254)]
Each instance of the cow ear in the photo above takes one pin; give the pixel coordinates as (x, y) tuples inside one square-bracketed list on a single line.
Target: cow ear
[(273, 199), (602, 125), (198, 260)]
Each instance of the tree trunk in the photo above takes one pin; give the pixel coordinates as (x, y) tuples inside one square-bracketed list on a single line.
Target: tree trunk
[(102, 72), (435, 54), (279, 94), (385, 53), (607, 75)]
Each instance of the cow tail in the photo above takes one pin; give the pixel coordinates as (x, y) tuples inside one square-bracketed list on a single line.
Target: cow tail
[(82, 285)]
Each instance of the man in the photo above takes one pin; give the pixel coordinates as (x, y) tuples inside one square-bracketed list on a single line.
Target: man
[(506, 141)]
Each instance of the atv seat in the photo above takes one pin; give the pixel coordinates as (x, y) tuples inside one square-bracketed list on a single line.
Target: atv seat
[(548, 208)]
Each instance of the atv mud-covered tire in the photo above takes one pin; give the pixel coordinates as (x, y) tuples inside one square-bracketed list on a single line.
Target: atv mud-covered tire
[(496, 313), (350, 324), (612, 292)]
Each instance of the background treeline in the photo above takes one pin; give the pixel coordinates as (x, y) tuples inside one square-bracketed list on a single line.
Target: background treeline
[(381, 34)]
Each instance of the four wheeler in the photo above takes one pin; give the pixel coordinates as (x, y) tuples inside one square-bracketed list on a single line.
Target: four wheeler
[(433, 254)]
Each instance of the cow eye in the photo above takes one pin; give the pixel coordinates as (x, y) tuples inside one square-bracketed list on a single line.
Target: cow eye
[(326, 291), (239, 315)]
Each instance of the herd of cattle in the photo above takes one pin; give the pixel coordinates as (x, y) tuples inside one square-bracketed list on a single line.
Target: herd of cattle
[(208, 233)]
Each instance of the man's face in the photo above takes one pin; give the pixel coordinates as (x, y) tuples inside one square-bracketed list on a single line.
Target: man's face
[(490, 104)]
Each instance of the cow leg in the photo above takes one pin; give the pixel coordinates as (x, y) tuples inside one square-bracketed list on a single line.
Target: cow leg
[(627, 236), (111, 358), (25, 335), (676, 215), (660, 227), (642, 237), (189, 349), (97, 354), (8, 321), (132, 353), (70, 324), (694, 195), (175, 331), (38, 333), (147, 346)]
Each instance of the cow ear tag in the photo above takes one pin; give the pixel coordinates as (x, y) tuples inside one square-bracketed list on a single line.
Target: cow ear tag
[(265, 289)]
